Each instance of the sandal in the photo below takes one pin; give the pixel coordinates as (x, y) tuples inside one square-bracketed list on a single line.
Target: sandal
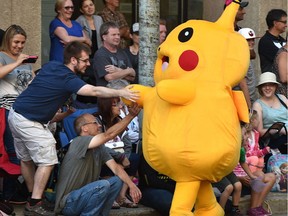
[(115, 205), (127, 203)]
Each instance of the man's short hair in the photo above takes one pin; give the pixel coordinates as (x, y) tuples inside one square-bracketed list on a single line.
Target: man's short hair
[(162, 21), (274, 15), (74, 49), (79, 122), (104, 29)]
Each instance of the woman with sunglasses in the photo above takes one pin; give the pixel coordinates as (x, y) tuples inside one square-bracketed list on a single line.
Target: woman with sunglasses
[(63, 30), (14, 78)]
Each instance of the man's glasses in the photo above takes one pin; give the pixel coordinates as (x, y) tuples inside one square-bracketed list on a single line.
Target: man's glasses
[(69, 7), (282, 21), (84, 60), (94, 122)]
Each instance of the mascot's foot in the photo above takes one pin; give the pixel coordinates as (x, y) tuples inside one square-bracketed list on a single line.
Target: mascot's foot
[(215, 211)]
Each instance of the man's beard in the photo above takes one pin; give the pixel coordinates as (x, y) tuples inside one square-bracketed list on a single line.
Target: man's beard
[(78, 71)]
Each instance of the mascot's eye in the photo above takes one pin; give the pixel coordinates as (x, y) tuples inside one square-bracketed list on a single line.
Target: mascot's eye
[(185, 35)]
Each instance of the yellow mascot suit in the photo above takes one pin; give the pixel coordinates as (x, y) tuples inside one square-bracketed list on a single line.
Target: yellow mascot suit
[(191, 129)]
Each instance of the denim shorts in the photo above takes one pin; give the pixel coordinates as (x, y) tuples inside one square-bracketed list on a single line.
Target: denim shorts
[(32, 140)]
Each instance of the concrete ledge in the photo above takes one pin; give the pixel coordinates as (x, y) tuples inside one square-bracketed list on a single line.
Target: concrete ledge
[(141, 211), (277, 202)]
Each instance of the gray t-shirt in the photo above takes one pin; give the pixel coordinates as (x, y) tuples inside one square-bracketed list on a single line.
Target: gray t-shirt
[(14, 82), (79, 167), (251, 83), (104, 57)]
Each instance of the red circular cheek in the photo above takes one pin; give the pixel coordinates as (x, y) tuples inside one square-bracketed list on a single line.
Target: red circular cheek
[(188, 60)]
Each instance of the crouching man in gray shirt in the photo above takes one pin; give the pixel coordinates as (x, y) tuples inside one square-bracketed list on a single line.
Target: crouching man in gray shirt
[(79, 190)]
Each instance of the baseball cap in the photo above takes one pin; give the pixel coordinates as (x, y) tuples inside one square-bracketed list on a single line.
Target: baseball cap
[(244, 4), (135, 28), (247, 33)]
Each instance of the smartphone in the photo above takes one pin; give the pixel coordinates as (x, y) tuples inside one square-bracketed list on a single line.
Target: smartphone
[(31, 59)]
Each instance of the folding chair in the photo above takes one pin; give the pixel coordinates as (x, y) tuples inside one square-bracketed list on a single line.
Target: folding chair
[(67, 132), (6, 167)]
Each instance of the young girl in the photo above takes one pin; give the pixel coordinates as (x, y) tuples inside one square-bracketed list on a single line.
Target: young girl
[(254, 155), (261, 185)]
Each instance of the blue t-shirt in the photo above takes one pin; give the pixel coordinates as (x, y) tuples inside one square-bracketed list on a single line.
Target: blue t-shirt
[(57, 48), (48, 91)]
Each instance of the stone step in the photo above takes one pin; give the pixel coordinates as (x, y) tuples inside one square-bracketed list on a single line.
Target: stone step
[(277, 202), (141, 211)]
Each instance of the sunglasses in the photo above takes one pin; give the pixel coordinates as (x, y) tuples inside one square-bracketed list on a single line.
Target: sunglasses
[(69, 7), (94, 122), (282, 21)]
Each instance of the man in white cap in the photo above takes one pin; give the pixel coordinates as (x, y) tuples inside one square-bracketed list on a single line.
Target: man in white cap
[(250, 77)]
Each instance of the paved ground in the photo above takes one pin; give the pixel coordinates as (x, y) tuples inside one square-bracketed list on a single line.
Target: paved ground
[(142, 211), (277, 201)]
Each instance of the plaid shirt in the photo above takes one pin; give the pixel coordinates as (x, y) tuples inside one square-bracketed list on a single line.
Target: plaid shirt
[(118, 18)]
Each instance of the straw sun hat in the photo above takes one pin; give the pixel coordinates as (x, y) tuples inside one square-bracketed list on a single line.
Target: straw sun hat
[(267, 77)]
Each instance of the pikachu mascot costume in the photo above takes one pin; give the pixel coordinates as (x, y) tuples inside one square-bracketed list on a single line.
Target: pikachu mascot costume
[(191, 129)]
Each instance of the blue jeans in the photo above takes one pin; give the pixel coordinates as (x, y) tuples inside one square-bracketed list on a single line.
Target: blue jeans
[(158, 199), (95, 198)]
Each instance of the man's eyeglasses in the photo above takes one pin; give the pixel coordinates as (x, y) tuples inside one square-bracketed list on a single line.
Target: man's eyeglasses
[(69, 7), (83, 60), (94, 122), (282, 21)]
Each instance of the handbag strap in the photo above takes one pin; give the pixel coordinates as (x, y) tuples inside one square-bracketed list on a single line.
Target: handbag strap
[(281, 101)]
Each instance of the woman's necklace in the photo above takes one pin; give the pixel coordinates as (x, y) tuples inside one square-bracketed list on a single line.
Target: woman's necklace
[(270, 102)]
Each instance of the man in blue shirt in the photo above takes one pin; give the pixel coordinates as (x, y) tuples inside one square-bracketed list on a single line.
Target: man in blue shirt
[(36, 106)]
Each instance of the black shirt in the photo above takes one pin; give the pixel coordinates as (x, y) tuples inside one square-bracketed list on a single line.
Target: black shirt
[(267, 49)]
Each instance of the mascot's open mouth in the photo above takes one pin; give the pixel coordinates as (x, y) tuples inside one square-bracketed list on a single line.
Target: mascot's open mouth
[(165, 63)]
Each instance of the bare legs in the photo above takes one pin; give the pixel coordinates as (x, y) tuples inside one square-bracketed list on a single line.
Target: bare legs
[(36, 179), (258, 198)]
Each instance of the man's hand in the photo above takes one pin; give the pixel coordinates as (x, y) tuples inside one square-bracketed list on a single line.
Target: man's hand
[(129, 94), (135, 193), (111, 68)]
